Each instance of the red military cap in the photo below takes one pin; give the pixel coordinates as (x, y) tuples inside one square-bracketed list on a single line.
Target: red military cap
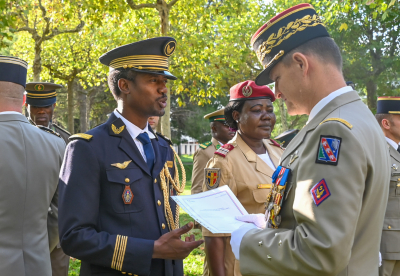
[(249, 90)]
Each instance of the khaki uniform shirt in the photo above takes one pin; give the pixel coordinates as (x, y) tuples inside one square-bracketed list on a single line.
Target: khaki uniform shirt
[(390, 243), (341, 235), (200, 159), (29, 168), (243, 171)]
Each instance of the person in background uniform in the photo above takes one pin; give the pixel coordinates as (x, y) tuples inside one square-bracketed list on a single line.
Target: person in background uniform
[(388, 116), (246, 164), (153, 122), (325, 210), (29, 167), (115, 212), (221, 134), (41, 100), (285, 137)]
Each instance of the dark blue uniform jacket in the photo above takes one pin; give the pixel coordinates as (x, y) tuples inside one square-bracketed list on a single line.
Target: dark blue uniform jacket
[(96, 227)]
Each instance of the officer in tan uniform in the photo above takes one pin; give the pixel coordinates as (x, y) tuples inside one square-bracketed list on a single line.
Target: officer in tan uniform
[(388, 116), (325, 211), (245, 164), (221, 134), (41, 98)]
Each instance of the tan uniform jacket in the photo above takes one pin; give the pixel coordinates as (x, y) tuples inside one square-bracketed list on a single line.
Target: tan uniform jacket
[(29, 167), (390, 243), (243, 170), (200, 159), (341, 235)]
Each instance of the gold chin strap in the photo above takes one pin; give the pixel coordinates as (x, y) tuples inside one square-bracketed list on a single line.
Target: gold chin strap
[(166, 179)]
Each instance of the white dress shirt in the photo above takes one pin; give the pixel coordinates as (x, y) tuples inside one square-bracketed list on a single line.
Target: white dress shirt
[(267, 159), (392, 143), (134, 131), (322, 103)]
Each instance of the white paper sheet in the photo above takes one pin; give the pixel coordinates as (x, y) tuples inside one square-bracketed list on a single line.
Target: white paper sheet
[(215, 209)]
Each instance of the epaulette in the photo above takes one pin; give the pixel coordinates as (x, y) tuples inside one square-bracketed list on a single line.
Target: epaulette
[(83, 136), (350, 126), (205, 145), (48, 130), (276, 144), (64, 130), (224, 150), (165, 138)]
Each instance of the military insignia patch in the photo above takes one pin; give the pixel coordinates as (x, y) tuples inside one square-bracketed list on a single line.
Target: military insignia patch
[(247, 91), (169, 49), (117, 130), (320, 192), (223, 151), (127, 195), (39, 87), (328, 150), (212, 177)]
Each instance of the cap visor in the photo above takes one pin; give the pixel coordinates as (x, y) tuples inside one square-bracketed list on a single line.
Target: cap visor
[(263, 77), (41, 102), (167, 74)]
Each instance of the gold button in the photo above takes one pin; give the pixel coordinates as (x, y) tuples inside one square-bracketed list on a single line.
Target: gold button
[(155, 180), (163, 226), (127, 180), (389, 227), (159, 203)]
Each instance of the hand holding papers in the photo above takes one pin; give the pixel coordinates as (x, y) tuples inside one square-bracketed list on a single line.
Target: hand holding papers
[(216, 209)]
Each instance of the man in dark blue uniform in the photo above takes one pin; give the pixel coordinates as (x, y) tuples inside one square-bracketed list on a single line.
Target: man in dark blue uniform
[(115, 211)]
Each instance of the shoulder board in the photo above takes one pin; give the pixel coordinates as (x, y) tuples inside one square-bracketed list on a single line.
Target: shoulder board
[(276, 144), (350, 126), (83, 136), (205, 145), (48, 130), (60, 128), (224, 150), (165, 138)]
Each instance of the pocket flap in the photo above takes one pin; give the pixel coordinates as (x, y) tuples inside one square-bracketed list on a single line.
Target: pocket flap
[(260, 195), (126, 176), (391, 224)]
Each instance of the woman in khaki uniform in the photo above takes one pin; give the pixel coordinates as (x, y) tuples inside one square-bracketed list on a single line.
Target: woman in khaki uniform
[(245, 164)]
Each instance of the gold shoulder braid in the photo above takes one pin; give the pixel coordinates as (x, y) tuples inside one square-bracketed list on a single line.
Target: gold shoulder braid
[(179, 187)]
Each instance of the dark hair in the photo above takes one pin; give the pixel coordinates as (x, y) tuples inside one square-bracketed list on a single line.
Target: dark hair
[(229, 108), (379, 117), (323, 48), (115, 75)]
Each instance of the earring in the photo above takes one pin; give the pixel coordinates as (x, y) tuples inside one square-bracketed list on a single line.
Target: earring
[(237, 121)]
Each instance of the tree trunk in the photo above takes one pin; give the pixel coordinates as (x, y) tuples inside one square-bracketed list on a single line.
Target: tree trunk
[(371, 94), (282, 111), (71, 105), (164, 18), (37, 62), (82, 111)]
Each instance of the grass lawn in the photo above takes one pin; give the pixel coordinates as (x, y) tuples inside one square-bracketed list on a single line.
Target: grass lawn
[(193, 264)]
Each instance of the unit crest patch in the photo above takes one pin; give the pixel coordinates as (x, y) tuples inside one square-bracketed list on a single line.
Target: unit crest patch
[(127, 195), (328, 150), (320, 192), (212, 177), (223, 151)]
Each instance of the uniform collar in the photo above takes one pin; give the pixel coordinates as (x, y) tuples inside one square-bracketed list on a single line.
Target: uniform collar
[(134, 130), (10, 112), (392, 143), (215, 142), (322, 103)]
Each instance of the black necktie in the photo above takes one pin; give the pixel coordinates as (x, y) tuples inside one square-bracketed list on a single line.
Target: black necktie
[(148, 149)]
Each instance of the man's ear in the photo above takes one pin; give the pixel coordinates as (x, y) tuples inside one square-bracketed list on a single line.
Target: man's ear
[(386, 124), (54, 105), (301, 61), (123, 86)]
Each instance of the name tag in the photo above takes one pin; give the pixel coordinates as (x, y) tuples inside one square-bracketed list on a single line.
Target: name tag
[(264, 186)]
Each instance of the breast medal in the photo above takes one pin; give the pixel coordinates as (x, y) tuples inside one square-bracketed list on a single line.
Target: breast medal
[(127, 195), (275, 196)]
